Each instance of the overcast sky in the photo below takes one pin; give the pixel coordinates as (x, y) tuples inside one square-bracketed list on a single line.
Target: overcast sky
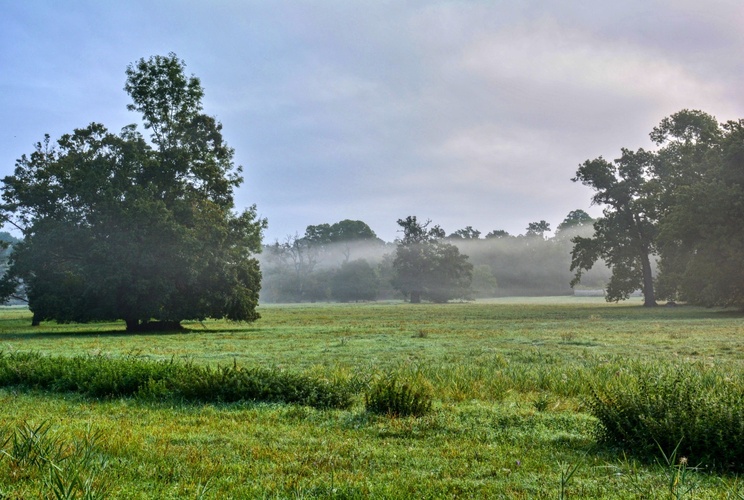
[(464, 112)]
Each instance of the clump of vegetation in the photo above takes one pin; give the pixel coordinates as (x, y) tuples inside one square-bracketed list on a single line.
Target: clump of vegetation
[(696, 411), (99, 376), (400, 397), (70, 468)]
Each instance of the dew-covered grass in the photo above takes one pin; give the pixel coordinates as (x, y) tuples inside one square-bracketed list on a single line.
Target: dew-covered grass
[(509, 419)]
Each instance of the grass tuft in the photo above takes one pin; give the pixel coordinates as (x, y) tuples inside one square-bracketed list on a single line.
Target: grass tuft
[(399, 397)]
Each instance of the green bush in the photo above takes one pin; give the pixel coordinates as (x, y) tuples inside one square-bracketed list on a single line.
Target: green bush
[(651, 407), (99, 376), (398, 397)]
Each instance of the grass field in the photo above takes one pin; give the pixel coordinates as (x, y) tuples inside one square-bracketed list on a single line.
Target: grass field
[(510, 377)]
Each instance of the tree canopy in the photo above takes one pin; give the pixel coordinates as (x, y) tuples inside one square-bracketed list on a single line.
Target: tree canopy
[(118, 227)]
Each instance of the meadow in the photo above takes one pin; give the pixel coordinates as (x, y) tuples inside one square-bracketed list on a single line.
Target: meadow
[(512, 383)]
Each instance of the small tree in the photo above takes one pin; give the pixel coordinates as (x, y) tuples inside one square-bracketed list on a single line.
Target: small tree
[(426, 267)]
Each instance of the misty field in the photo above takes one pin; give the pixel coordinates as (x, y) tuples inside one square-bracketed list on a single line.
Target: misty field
[(512, 383)]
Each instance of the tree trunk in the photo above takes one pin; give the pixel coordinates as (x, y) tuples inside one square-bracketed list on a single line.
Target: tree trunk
[(415, 297), (649, 297), (35, 321)]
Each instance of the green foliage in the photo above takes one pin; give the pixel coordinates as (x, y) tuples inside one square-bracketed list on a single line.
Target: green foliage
[(118, 228), (398, 396), (695, 411), (98, 376)]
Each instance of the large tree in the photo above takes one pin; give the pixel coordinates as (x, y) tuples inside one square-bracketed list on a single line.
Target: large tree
[(625, 236), (427, 267), (119, 227), (701, 238)]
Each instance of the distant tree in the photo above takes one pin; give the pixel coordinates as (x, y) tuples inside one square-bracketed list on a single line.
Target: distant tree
[(426, 267), (497, 233), (484, 282), (574, 220), (318, 235), (355, 281), (467, 233), (116, 227), (294, 262), (344, 235), (625, 236), (537, 229), (343, 231)]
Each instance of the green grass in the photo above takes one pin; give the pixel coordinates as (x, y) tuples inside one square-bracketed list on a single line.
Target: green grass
[(510, 418)]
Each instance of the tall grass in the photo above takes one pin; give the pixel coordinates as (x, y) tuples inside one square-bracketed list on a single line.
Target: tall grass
[(99, 376)]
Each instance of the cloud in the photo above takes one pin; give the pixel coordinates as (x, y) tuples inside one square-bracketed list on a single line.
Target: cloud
[(469, 112)]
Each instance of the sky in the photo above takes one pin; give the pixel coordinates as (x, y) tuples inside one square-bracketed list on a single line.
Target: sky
[(468, 113)]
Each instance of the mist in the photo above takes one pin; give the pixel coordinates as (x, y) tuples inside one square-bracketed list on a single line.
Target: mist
[(295, 271)]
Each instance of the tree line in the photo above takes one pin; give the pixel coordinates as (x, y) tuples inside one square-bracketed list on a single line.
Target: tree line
[(424, 263)]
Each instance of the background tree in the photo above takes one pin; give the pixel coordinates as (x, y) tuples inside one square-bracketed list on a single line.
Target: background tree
[(290, 267), (116, 227), (467, 233), (355, 281), (427, 267), (625, 236), (537, 229), (575, 220), (343, 236), (497, 233)]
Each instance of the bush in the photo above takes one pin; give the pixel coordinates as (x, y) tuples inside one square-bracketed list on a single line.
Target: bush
[(99, 376), (700, 409), (392, 396)]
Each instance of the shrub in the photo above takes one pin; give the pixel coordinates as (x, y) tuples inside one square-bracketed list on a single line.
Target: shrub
[(398, 397), (700, 409)]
